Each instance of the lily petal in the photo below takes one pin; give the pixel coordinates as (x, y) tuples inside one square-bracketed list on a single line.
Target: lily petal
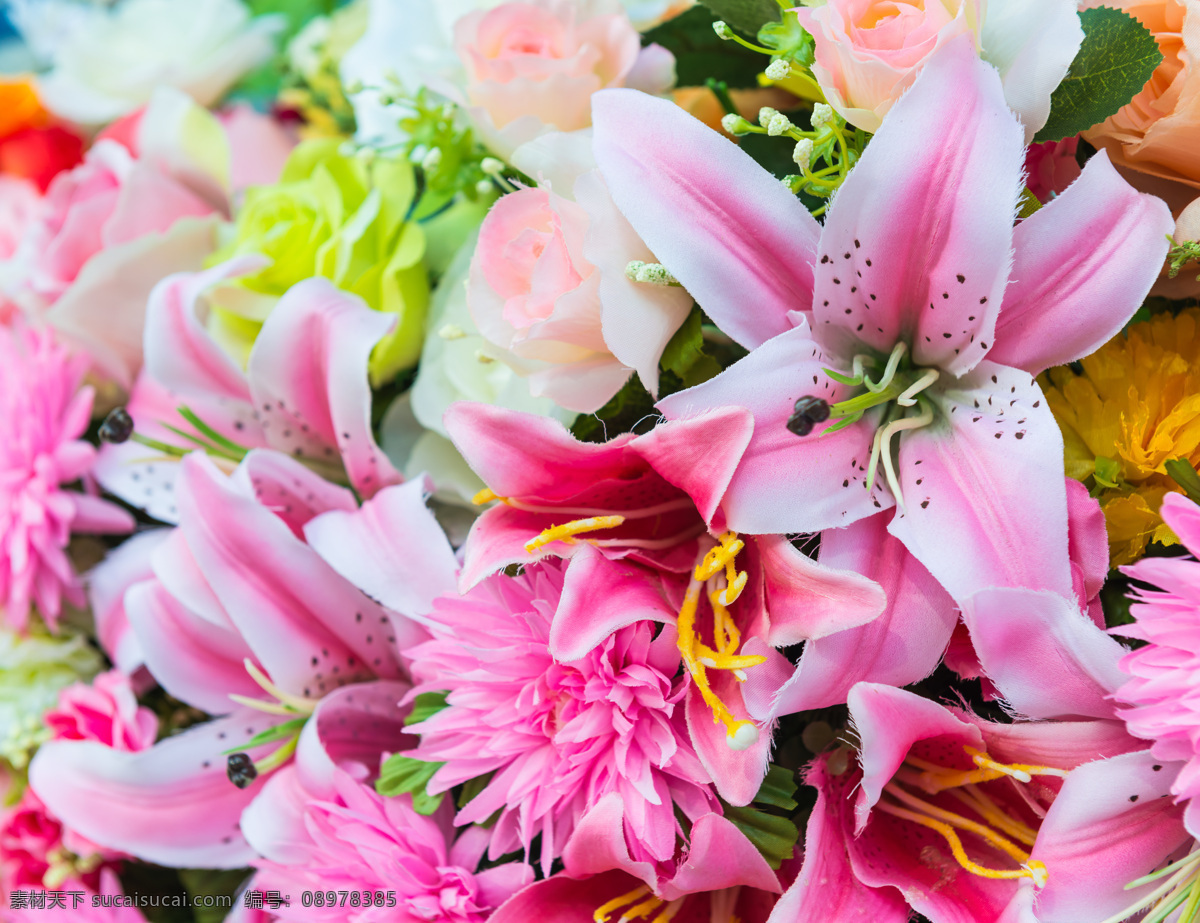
[(996, 441), (923, 253), (171, 804), (1046, 657), (740, 243), (763, 495), (1083, 265)]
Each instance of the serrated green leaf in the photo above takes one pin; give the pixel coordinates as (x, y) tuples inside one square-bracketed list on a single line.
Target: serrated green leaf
[(746, 16), (772, 835), (403, 775), (700, 53), (426, 705), (778, 789), (1183, 474), (1116, 59)]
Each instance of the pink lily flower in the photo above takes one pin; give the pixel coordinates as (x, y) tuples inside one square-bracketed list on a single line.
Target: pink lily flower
[(304, 391), (614, 896), (636, 518), (893, 349), (244, 601)]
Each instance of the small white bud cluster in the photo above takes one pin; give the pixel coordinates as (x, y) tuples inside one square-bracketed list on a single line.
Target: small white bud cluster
[(780, 124), (650, 273), (735, 124), (451, 332), (778, 69), (803, 153), (765, 114), (432, 160), (822, 115), (484, 186), (722, 29), (491, 166)]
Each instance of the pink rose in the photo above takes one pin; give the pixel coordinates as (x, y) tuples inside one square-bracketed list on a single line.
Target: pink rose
[(106, 711), (868, 52), (112, 227), (533, 66), (1050, 167), (548, 291)]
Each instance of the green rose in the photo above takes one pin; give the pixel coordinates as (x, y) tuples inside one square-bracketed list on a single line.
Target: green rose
[(341, 218)]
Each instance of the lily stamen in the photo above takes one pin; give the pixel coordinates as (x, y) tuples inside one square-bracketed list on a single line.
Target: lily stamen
[(1182, 885), (699, 657), (568, 530), (602, 912), (285, 703), (487, 496), (883, 440)]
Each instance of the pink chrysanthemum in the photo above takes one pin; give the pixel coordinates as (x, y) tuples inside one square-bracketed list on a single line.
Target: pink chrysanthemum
[(363, 842), (558, 736), (43, 412), (1161, 693)]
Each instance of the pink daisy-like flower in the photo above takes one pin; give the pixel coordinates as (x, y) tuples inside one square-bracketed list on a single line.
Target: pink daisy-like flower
[(43, 412), (411, 866), (1161, 691), (558, 736), (107, 710)]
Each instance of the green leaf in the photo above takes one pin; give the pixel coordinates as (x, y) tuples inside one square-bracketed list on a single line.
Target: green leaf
[(284, 731), (772, 835), (700, 53), (686, 347), (214, 885), (1183, 474), (778, 789), (403, 775), (473, 787), (426, 705), (746, 16), (1116, 59)]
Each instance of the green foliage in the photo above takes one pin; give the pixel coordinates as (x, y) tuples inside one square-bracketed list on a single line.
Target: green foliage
[(1116, 59), (700, 54), (285, 731), (788, 39), (630, 410), (746, 16), (213, 882), (1181, 254), (1183, 474), (403, 775), (684, 353), (426, 705), (767, 821)]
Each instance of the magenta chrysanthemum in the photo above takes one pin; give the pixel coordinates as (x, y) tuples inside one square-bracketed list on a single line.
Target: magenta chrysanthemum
[(558, 736), (43, 412), (1161, 690)]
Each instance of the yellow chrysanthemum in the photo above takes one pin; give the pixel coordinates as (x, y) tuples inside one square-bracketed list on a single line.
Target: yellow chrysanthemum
[(1135, 407)]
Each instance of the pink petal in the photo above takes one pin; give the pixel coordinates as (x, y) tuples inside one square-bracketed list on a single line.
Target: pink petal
[(597, 843), (889, 722), (763, 497), (192, 659), (181, 356), (308, 627), (827, 888), (1045, 657), (1083, 264), (561, 899), (99, 516), (308, 375), (996, 441), (1088, 536), (700, 454), (807, 600), (926, 219), (1112, 823), (737, 774), (125, 565), (721, 857), (901, 646), (172, 804), (391, 548), (740, 243), (598, 597), (1183, 516)]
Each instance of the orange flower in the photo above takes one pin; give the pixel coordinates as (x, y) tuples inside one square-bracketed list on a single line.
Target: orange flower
[(1158, 132), (31, 145)]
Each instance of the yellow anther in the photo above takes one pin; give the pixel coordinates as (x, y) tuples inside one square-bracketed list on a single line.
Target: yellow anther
[(720, 556), (603, 911), (669, 912), (568, 530), (1032, 870), (487, 495), (975, 799)]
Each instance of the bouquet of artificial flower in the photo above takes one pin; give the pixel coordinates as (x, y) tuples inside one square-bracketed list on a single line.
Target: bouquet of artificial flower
[(599, 461)]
